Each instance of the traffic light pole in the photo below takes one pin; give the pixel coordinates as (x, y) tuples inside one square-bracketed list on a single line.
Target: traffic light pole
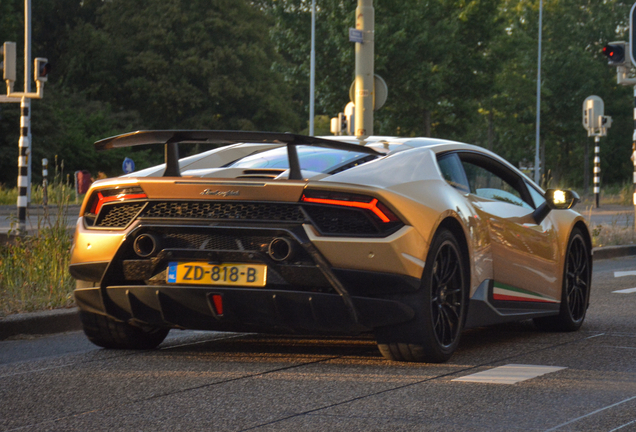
[(364, 87), (621, 78), (24, 144), (634, 158), (626, 59), (24, 160)]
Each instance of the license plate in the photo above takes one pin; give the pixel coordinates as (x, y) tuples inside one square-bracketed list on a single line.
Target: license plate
[(227, 274)]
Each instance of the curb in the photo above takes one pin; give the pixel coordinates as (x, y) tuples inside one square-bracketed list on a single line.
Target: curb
[(607, 252), (39, 323), (63, 320)]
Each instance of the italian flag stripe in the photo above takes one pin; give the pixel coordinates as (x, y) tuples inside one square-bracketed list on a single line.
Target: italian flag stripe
[(504, 292)]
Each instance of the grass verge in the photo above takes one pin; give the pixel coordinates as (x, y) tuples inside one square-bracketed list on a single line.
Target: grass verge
[(34, 272)]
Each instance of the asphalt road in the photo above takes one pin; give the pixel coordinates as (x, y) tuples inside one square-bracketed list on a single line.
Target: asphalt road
[(228, 382)]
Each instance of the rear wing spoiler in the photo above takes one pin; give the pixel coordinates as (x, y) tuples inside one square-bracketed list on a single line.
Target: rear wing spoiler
[(172, 138)]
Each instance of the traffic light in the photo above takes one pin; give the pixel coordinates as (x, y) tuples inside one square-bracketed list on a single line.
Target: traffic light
[(41, 69), (615, 53), (8, 61), (593, 111), (338, 124)]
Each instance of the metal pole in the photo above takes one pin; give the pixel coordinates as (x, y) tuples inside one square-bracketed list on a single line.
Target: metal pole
[(364, 88), (24, 144), (634, 158), (597, 169), (312, 78), (634, 161), (27, 85), (537, 159)]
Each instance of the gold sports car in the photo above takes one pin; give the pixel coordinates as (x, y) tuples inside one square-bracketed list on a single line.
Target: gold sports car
[(410, 239)]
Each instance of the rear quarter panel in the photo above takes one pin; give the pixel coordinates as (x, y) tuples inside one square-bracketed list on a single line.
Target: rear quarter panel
[(411, 184)]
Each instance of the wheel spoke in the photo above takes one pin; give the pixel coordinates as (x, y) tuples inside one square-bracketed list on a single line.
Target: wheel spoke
[(453, 291), (440, 329), (455, 316), (448, 328), (448, 262), (450, 273)]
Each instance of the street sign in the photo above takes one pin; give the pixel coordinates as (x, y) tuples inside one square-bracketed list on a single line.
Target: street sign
[(128, 166), (380, 92), (356, 35)]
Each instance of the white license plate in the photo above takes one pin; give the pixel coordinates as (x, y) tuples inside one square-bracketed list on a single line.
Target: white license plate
[(227, 274)]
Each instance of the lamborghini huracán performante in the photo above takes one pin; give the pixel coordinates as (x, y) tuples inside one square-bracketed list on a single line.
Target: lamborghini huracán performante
[(409, 239)]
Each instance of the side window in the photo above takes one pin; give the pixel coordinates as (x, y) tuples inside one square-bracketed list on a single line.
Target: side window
[(537, 197), (452, 171), (486, 184)]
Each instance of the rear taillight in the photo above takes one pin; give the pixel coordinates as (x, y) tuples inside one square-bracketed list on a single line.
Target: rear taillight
[(104, 196), (363, 202)]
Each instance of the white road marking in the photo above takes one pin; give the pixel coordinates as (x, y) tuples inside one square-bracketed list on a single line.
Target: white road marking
[(509, 374), (625, 291), (625, 425), (625, 273), (591, 414)]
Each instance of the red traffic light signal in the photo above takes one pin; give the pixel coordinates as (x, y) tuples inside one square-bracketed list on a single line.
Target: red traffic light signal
[(615, 53)]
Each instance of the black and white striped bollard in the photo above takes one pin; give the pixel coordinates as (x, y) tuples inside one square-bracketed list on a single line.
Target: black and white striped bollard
[(45, 184), (597, 169), (23, 164)]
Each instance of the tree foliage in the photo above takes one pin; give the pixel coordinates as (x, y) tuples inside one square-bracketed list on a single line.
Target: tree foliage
[(158, 64), (455, 69), (467, 70)]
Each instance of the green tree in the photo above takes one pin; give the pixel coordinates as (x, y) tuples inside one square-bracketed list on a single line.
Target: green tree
[(182, 64), (120, 66), (434, 56), (573, 68)]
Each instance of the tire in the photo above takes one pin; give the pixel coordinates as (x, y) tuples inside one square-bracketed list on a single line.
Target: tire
[(441, 306), (575, 293), (108, 333)]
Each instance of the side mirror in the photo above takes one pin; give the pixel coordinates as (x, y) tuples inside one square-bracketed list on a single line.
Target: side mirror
[(559, 199), (555, 199)]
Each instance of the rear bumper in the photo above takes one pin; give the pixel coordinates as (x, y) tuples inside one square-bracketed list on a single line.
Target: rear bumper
[(244, 310)]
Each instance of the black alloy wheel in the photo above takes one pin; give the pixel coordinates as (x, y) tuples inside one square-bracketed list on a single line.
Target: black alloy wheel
[(577, 279), (575, 294), (447, 302), (440, 305)]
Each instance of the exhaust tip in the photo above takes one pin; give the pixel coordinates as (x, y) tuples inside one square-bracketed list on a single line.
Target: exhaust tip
[(281, 249), (146, 245)]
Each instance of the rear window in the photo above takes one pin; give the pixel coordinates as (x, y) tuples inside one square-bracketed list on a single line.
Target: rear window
[(317, 159)]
